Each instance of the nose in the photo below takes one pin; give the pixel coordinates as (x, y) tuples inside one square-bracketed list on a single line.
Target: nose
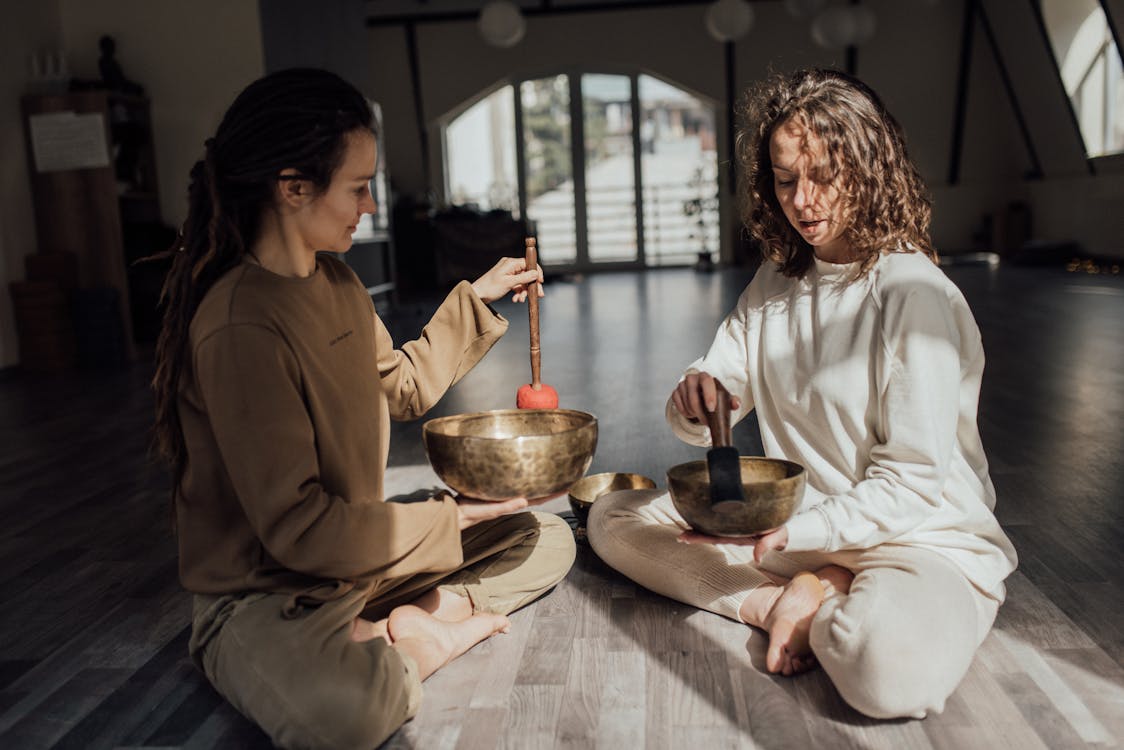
[(368, 204), (804, 195)]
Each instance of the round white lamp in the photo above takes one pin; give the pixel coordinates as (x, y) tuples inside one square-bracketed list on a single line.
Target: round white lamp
[(501, 23), (843, 26), (729, 20), (864, 23)]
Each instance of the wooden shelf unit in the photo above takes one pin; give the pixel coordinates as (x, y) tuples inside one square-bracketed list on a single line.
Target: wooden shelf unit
[(83, 210)]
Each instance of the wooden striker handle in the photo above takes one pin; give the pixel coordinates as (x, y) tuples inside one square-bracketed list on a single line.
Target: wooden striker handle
[(533, 314), (719, 420)]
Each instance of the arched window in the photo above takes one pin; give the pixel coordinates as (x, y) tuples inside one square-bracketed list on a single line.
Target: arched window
[(1090, 66), (614, 169)]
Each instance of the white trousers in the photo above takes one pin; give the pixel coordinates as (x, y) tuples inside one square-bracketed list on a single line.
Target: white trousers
[(896, 646)]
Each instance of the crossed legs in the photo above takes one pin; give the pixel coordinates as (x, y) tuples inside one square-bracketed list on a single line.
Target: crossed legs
[(895, 628)]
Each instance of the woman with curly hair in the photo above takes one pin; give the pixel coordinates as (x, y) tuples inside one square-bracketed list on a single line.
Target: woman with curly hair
[(863, 363), (319, 607)]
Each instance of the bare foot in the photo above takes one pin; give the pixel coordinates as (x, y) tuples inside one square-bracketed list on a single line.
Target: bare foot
[(365, 630), (835, 579), (788, 624), (434, 643)]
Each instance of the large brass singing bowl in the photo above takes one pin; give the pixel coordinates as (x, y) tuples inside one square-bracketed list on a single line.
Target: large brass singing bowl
[(773, 489), (508, 453)]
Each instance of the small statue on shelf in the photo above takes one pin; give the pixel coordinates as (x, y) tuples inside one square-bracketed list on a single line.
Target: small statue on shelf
[(111, 74)]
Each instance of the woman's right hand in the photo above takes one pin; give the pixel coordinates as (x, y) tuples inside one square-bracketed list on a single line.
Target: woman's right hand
[(509, 275), (696, 395)]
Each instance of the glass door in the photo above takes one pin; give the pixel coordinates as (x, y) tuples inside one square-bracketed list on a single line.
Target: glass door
[(610, 169), (680, 168), (546, 162)]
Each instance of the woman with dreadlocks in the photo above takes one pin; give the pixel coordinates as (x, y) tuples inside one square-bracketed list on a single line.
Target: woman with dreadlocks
[(319, 608)]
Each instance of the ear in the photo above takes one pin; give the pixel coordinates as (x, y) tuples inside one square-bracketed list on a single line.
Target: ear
[(292, 190)]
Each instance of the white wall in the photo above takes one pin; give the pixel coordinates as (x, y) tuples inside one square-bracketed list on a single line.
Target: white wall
[(29, 27), (192, 59), (1090, 209)]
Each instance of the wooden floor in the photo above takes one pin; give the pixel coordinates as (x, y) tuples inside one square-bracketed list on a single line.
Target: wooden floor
[(93, 631)]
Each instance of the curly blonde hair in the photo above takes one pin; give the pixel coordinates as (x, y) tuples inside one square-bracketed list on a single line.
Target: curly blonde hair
[(885, 201)]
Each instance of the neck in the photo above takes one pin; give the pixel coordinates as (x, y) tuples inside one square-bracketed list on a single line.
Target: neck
[(279, 248), (836, 254)]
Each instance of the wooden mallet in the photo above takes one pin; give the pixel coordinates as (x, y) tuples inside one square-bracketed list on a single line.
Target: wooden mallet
[(536, 394)]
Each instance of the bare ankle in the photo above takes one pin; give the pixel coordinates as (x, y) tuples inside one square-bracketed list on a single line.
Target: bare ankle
[(445, 605), (365, 630)]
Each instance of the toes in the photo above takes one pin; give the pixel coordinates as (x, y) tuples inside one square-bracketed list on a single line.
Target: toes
[(774, 657), (782, 661)]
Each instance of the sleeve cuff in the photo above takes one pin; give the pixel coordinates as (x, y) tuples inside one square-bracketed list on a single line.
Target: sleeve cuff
[(486, 316), (808, 531), (694, 433)]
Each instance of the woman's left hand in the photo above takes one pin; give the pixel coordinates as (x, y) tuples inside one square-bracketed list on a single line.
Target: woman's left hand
[(471, 511), (509, 274), (762, 543)]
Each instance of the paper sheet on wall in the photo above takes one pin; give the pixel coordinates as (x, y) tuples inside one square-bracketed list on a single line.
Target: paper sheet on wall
[(67, 140)]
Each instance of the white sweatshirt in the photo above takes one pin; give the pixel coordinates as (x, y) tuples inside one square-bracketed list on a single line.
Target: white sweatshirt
[(872, 385)]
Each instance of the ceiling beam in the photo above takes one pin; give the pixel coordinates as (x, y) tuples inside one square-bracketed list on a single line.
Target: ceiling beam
[(546, 8)]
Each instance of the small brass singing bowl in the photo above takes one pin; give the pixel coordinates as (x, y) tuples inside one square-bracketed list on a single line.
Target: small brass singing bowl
[(773, 489), (508, 453), (587, 489)]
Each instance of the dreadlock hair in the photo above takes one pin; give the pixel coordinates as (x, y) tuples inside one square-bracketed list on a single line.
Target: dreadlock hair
[(885, 201), (295, 119)]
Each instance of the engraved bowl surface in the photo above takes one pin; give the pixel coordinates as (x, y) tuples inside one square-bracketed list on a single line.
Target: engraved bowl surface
[(588, 489), (773, 489), (508, 453)]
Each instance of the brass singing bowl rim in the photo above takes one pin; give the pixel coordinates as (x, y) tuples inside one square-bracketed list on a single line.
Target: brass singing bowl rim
[(507, 453), (450, 426), (773, 491), (793, 470), (592, 486)]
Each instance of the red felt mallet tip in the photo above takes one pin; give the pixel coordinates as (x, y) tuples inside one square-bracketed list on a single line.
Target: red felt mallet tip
[(544, 398)]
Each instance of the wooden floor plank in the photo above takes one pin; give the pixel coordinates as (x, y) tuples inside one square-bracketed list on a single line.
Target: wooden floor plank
[(623, 701), (1060, 695), (63, 709), (581, 700)]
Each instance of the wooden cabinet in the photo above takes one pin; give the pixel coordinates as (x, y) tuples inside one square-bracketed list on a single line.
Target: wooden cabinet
[(93, 175)]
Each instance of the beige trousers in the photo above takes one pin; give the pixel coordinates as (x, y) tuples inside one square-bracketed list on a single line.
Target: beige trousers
[(308, 685), (896, 646)]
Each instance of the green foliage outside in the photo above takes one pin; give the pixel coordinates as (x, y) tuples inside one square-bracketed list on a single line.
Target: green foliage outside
[(546, 127)]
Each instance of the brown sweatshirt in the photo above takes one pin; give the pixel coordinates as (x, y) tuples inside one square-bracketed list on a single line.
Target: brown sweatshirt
[(286, 415)]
